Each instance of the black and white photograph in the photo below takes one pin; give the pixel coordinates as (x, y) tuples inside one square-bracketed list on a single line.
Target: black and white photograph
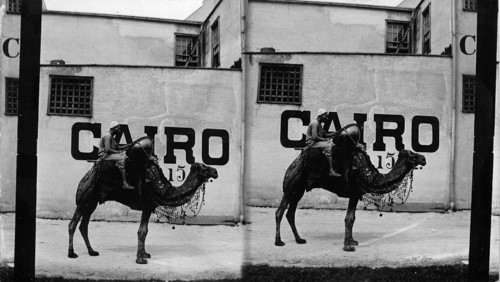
[(249, 140)]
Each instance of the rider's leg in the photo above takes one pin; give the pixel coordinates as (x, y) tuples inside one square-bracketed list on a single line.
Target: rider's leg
[(121, 166), (328, 154)]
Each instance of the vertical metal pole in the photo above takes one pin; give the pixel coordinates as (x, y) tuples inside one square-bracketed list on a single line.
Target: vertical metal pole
[(27, 130), (484, 126)]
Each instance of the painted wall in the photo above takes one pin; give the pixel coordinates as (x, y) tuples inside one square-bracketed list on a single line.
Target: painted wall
[(81, 39), (10, 28), (408, 86), (160, 97), (441, 21), (228, 12), (441, 36), (465, 64), (291, 27), (464, 138)]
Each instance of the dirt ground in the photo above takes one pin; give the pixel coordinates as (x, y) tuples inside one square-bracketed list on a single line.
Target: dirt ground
[(215, 252), (390, 240)]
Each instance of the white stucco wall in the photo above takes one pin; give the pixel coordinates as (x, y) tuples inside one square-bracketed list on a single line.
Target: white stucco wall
[(441, 23), (441, 36), (349, 84), (10, 28), (464, 137), (228, 12), (291, 27), (83, 39), (163, 97)]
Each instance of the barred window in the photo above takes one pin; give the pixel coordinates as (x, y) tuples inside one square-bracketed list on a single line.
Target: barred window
[(14, 6), (397, 38), (426, 22), (215, 44), (186, 50), (470, 5), (469, 93), (70, 96), (11, 96), (280, 83)]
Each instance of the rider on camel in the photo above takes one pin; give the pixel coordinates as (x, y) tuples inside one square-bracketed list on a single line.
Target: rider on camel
[(110, 150), (318, 138)]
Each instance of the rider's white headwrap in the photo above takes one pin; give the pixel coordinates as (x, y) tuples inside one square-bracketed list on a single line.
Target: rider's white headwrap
[(113, 124), (321, 112)]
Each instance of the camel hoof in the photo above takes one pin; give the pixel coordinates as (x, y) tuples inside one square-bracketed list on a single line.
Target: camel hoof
[(72, 255), (279, 243), (141, 261), (145, 255), (349, 248), (301, 241), (93, 253)]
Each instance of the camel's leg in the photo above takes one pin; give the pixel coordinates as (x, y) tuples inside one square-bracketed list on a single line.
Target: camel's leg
[(290, 215), (279, 215), (72, 228), (84, 227), (142, 255), (349, 242)]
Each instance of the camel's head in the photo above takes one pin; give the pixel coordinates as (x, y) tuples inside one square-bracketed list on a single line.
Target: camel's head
[(205, 171), (412, 158)]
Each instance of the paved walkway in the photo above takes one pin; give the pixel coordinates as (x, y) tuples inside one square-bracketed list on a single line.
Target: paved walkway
[(215, 252)]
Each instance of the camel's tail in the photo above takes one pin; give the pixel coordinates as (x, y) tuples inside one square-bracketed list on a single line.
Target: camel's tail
[(87, 183)]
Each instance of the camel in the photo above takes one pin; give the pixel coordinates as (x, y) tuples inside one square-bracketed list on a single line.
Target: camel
[(310, 170), (103, 183)]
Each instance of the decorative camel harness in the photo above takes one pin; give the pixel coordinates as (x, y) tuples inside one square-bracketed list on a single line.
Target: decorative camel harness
[(399, 190), (177, 209)]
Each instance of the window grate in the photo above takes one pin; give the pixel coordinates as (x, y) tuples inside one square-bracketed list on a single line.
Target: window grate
[(469, 93), (11, 96), (184, 51), (281, 84), (470, 5), (70, 96), (14, 6), (396, 41)]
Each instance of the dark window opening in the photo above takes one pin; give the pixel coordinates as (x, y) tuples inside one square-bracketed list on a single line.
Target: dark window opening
[(215, 44), (397, 38), (70, 96), (11, 96), (426, 21), (469, 93), (281, 84), (186, 50)]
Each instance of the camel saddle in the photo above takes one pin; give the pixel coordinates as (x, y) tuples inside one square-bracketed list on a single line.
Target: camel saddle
[(108, 175), (316, 162)]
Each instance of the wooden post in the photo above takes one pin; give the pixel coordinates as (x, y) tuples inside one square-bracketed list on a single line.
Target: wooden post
[(27, 130), (484, 126)]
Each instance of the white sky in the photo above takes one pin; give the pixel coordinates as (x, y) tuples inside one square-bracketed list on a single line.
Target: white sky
[(169, 9)]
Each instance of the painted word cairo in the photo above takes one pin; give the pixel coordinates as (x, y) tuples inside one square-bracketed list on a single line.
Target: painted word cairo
[(171, 145), (380, 131)]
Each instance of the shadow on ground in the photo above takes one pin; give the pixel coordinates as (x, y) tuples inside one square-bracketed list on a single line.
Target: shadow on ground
[(268, 273)]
